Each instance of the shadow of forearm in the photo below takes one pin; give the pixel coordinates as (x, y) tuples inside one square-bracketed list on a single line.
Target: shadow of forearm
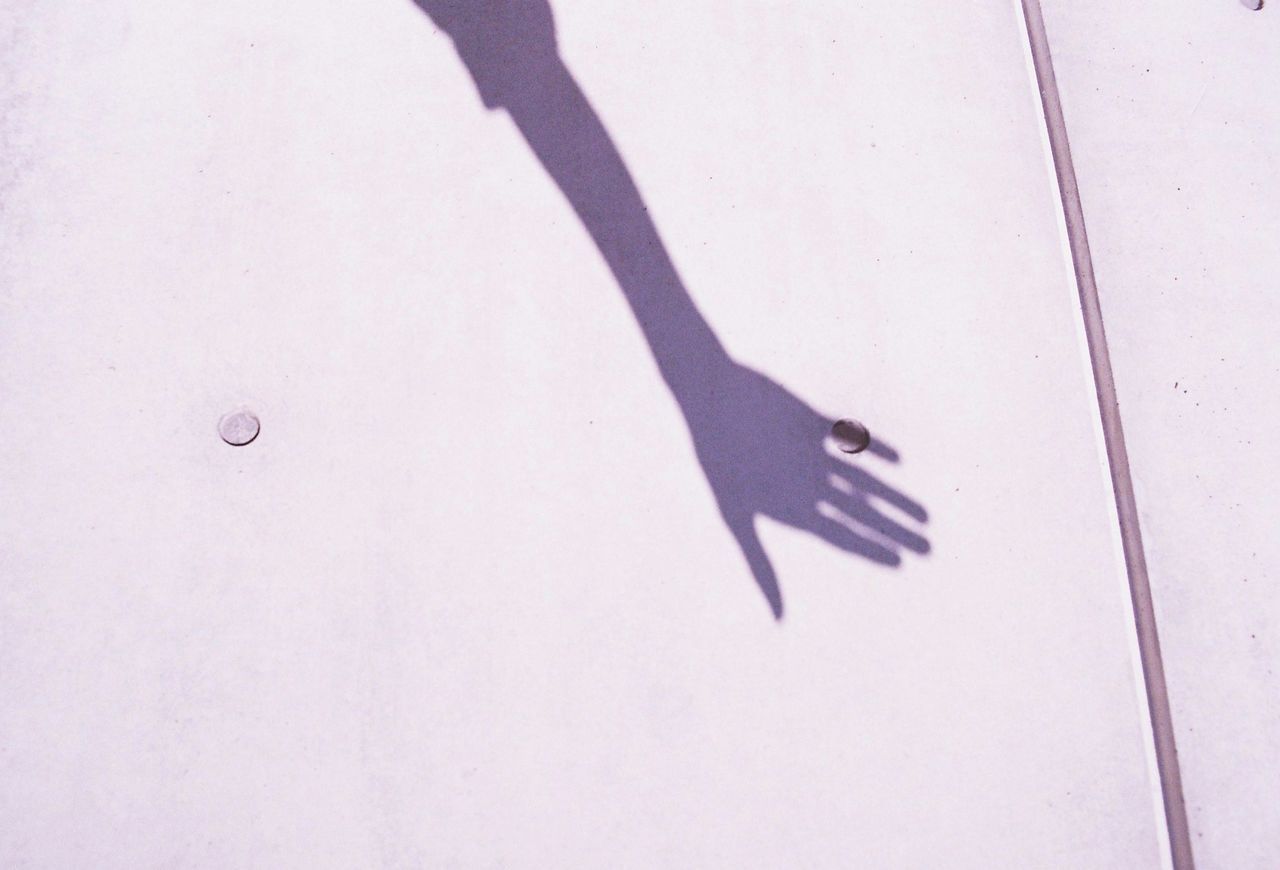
[(571, 143)]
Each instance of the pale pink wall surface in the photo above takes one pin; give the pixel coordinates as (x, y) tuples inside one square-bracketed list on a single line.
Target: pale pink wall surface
[(1176, 136), (468, 599)]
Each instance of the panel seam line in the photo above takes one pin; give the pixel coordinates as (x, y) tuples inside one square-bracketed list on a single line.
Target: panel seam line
[(1117, 455)]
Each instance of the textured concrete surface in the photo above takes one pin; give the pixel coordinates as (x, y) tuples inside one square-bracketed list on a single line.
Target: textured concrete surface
[(539, 558), (1175, 135)]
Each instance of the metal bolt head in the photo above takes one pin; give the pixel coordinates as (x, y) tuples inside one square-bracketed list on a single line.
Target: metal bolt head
[(239, 428), (851, 436)]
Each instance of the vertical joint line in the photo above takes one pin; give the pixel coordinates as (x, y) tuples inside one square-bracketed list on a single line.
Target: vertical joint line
[(1117, 456)]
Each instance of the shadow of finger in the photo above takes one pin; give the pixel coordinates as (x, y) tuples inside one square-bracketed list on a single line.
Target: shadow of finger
[(855, 509), (827, 526), (858, 480)]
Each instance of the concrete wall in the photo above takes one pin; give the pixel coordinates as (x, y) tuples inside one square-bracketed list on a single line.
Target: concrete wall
[(1175, 131), (542, 557)]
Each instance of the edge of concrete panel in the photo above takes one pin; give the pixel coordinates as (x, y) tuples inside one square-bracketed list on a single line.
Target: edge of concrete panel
[(1148, 641)]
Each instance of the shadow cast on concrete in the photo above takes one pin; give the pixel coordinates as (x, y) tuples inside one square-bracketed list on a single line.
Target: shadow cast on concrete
[(763, 450)]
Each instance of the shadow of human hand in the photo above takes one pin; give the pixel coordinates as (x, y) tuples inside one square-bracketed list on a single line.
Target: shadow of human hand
[(766, 452), (761, 449)]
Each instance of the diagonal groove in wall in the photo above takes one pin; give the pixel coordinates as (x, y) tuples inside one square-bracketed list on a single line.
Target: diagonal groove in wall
[(1117, 455)]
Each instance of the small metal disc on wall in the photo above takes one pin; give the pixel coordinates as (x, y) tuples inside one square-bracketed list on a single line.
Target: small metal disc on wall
[(239, 428)]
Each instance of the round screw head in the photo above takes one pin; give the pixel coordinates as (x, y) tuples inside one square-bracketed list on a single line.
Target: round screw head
[(239, 428), (851, 436)]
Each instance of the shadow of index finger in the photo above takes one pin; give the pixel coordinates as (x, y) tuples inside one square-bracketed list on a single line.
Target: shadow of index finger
[(884, 451), (861, 481)]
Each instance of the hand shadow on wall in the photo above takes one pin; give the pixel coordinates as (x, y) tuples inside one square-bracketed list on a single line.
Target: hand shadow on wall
[(761, 448)]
